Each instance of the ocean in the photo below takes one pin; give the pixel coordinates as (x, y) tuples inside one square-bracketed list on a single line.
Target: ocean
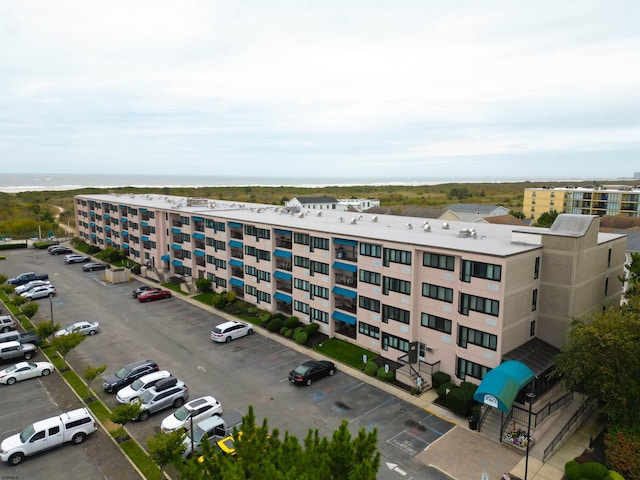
[(25, 182)]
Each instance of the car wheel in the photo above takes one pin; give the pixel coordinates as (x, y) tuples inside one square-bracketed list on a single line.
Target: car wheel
[(27, 356), (51, 294), (250, 331), (331, 372), (78, 438), (308, 382), (11, 381), (16, 459), (46, 372), (178, 402), (92, 332), (5, 329), (144, 416), (29, 298), (228, 339)]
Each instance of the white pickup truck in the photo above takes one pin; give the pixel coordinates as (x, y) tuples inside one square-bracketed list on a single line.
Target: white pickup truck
[(52, 432)]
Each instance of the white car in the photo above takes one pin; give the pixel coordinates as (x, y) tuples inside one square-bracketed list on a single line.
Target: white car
[(225, 332), (24, 370), (39, 292), (85, 328), (75, 258), (140, 385), (196, 410), (32, 284)]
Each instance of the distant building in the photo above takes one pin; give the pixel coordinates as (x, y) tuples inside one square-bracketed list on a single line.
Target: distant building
[(469, 212), (601, 200), (298, 204), (357, 204)]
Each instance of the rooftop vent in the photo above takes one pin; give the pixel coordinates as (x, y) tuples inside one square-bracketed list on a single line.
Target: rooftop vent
[(319, 213), (426, 227), (445, 225), (354, 220), (409, 226), (301, 215), (374, 218), (340, 219)]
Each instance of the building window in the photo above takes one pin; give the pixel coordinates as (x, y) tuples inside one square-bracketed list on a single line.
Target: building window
[(465, 367), (478, 304), (299, 261), (318, 316), (534, 300), (395, 313), (434, 260), (301, 307), (184, 220), (487, 271), (392, 255), (320, 243), (370, 250), (437, 292), (392, 341), (318, 267), (436, 323), (476, 337), (369, 330), (369, 304), (318, 291), (390, 284), (606, 286), (301, 284), (370, 277), (536, 268), (532, 328), (301, 238), (609, 259)]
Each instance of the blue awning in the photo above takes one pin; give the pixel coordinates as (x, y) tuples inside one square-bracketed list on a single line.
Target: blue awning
[(177, 263), (345, 266), (282, 253), (236, 263), (165, 258), (282, 275), (282, 297), (93, 235), (124, 233), (237, 282), (176, 230), (107, 228), (344, 292), (342, 241), (175, 246), (235, 224), (108, 240), (124, 219), (197, 219), (106, 215), (123, 206), (282, 232), (500, 386), (144, 224), (198, 253), (125, 245), (235, 243), (343, 317), (198, 236), (144, 238), (143, 209), (92, 224)]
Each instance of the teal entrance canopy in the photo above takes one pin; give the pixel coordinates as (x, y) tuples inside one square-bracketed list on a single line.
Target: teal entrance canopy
[(500, 386)]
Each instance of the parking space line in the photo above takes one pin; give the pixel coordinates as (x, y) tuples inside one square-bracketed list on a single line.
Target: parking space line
[(373, 409)]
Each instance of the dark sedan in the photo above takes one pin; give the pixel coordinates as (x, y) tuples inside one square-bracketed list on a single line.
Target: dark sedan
[(142, 289), (312, 370), (91, 266), (60, 251), (156, 294)]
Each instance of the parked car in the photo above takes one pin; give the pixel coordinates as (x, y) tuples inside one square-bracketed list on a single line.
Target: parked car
[(141, 385), (51, 247), (128, 374), (163, 395), (16, 336), (28, 286), (75, 258), (312, 370), (7, 323), (193, 411), (85, 328), (225, 332), (26, 278), (91, 266), (214, 428), (25, 370), (149, 295), (11, 350), (143, 288), (60, 250), (39, 292)]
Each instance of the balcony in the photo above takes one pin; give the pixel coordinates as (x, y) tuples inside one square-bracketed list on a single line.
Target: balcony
[(176, 239), (236, 253), (346, 329), (176, 223), (237, 272), (199, 244), (283, 286), (346, 304), (348, 280), (284, 307), (283, 265), (284, 243), (239, 291), (349, 254), (198, 226)]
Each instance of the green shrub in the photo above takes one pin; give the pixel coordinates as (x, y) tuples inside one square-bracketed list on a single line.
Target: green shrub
[(274, 325), (288, 332), (204, 285), (371, 368), (7, 288), (572, 470), (4, 278), (231, 296), (613, 475), (17, 300), (311, 328), (136, 269), (593, 470), (284, 329), (440, 378), (442, 389), (460, 400), (220, 302), (301, 338), (30, 309), (385, 376), (297, 330), (265, 318), (291, 322)]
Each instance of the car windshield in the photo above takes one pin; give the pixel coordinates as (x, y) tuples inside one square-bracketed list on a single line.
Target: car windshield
[(137, 385), (27, 433), (217, 330), (302, 369), (198, 433), (123, 372), (70, 328), (182, 413), (146, 397)]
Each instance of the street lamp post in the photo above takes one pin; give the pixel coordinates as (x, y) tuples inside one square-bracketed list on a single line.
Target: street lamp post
[(530, 398), (51, 308)]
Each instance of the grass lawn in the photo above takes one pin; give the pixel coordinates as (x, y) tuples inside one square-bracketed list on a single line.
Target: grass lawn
[(206, 298), (174, 288), (345, 352)]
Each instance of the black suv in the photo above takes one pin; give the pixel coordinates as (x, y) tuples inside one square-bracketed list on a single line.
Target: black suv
[(128, 374)]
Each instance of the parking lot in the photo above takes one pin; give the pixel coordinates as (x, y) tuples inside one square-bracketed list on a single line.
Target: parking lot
[(248, 371)]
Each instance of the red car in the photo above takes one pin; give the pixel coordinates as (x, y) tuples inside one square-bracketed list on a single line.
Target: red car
[(149, 295)]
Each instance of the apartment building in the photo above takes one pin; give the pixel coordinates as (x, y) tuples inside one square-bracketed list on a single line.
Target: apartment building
[(461, 295), (602, 200)]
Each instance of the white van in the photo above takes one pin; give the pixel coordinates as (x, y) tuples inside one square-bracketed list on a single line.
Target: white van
[(143, 383)]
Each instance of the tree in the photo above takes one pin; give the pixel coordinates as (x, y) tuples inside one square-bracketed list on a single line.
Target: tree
[(516, 214), (602, 360), (124, 413), (91, 373), (547, 218), (633, 278), (166, 448), (30, 309), (44, 329), (65, 343)]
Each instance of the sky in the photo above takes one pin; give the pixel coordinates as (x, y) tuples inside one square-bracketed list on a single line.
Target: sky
[(540, 88)]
